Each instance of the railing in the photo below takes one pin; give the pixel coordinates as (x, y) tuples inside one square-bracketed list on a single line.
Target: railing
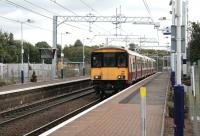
[(193, 93), (10, 73)]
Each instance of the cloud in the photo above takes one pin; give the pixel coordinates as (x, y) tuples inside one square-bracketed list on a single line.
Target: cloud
[(103, 7)]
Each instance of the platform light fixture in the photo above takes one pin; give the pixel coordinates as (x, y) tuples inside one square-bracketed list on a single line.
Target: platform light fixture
[(22, 48)]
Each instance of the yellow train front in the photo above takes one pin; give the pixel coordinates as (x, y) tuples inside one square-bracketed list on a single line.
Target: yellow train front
[(113, 69)]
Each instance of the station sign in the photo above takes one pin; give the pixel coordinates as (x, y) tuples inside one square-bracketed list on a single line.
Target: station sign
[(47, 53), (173, 38)]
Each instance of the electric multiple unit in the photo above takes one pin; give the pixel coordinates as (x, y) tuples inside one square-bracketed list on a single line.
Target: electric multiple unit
[(113, 69)]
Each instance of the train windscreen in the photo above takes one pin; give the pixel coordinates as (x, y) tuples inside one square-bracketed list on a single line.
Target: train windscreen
[(109, 59), (96, 60)]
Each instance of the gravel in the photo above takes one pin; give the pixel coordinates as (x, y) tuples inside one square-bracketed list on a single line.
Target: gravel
[(25, 125)]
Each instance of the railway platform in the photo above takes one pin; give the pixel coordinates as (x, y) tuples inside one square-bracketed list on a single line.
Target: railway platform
[(120, 114), (30, 85)]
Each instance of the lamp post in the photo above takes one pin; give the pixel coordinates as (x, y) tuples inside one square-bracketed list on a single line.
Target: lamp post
[(84, 56), (83, 60), (157, 61), (62, 56), (22, 49), (178, 88), (168, 32)]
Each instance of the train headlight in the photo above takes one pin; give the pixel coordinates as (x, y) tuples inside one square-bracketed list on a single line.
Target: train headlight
[(121, 77), (97, 77)]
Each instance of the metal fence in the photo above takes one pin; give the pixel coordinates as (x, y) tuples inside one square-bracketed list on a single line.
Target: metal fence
[(74, 70), (193, 93), (11, 73)]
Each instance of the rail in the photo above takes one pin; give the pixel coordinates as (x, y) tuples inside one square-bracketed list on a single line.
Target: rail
[(21, 112)]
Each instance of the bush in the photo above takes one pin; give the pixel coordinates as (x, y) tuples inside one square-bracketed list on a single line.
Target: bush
[(34, 77), (170, 104), (2, 83)]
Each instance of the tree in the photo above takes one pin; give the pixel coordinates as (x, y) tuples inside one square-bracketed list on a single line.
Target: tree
[(31, 53), (34, 55), (42, 44), (73, 53), (78, 43), (132, 46), (8, 49), (194, 44), (153, 53)]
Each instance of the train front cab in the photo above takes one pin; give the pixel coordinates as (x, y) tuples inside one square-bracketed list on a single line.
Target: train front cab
[(109, 70)]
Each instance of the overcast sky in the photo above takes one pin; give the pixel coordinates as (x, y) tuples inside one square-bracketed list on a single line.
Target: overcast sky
[(41, 29)]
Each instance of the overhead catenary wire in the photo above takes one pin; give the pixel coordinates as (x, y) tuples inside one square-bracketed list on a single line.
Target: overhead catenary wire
[(33, 4), (87, 5), (31, 25), (32, 11), (25, 8), (148, 9), (35, 12), (69, 10), (34, 26), (60, 5), (13, 20), (36, 5), (53, 13), (63, 7), (149, 12)]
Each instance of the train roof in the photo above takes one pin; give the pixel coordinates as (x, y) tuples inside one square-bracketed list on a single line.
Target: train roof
[(128, 51)]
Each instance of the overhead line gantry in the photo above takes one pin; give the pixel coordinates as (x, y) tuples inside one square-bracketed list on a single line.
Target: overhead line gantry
[(117, 19)]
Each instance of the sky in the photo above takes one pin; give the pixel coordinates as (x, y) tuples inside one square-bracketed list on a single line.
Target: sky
[(40, 12)]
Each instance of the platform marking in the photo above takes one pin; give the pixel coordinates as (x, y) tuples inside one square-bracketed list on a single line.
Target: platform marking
[(41, 86), (90, 109), (143, 92)]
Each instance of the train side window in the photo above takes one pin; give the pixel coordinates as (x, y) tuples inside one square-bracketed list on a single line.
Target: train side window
[(122, 60), (97, 60)]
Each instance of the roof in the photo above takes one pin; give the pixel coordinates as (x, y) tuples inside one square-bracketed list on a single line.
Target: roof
[(128, 51)]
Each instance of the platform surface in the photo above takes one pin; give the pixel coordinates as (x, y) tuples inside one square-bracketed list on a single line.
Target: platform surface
[(120, 116), (34, 84)]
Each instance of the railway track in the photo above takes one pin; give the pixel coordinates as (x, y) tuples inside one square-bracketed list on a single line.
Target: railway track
[(10, 116), (60, 120), (12, 99)]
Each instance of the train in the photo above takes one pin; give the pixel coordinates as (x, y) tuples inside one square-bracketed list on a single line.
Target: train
[(114, 68)]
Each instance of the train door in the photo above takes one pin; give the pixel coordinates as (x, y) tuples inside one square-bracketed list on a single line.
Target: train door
[(130, 68), (147, 67), (141, 60), (138, 67), (145, 63), (134, 68), (144, 67)]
